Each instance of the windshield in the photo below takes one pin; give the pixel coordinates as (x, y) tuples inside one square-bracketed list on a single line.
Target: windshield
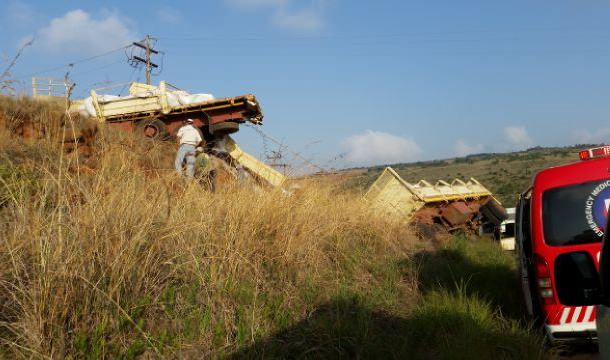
[(575, 214)]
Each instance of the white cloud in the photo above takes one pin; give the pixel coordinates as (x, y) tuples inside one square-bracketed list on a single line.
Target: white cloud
[(169, 15), (462, 148), (517, 136), (377, 148), (285, 14), (78, 32), (305, 19), (601, 136)]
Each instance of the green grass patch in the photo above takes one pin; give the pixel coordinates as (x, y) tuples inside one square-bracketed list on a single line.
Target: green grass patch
[(469, 308), (471, 304), (455, 324), (478, 267)]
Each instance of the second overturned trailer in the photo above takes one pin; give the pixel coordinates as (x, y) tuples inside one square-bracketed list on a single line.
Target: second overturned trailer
[(455, 205)]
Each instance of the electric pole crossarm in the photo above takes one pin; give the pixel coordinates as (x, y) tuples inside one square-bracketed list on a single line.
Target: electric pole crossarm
[(144, 47), (148, 51), (144, 61)]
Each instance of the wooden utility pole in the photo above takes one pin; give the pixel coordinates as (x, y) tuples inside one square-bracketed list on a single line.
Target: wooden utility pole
[(147, 59), (149, 50)]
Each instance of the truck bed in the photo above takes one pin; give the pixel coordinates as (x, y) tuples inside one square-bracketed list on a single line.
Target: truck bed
[(155, 104)]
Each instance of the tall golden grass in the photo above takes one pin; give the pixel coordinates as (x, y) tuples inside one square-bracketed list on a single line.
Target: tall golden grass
[(109, 254), (120, 260)]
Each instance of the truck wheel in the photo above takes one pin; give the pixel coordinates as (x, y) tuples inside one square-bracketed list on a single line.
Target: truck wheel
[(496, 209), (224, 128), (489, 216), (153, 129)]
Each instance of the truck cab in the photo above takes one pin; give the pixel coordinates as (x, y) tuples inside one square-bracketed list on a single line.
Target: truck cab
[(560, 223)]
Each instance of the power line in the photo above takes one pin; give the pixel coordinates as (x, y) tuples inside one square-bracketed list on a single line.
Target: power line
[(283, 147), (87, 71), (130, 79), (73, 63), (530, 30)]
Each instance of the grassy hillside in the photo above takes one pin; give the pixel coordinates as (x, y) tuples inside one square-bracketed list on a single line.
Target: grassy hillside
[(106, 253), (506, 175)]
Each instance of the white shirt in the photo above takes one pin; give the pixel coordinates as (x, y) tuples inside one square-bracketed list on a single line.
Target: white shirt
[(188, 134)]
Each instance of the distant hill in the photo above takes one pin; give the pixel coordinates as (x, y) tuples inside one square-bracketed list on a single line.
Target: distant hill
[(505, 174)]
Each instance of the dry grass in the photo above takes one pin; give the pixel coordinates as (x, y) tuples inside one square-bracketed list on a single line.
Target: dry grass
[(119, 258)]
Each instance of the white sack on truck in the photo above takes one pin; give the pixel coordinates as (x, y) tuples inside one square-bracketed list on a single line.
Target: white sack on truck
[(174, 99)]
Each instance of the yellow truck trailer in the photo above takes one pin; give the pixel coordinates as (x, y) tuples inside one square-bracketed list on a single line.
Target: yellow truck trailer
[(455, 205)]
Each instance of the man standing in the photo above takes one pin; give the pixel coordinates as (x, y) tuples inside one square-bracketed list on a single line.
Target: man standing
[(188, 138)]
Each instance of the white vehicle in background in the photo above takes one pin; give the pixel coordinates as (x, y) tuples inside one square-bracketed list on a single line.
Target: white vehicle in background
[(507, 231)]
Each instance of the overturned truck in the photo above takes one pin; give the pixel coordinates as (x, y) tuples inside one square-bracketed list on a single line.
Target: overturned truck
[(157, 112), (459, 205)]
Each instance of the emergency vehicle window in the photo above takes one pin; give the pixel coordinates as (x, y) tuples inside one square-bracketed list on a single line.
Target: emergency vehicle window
[(577, 279), (575, 214)]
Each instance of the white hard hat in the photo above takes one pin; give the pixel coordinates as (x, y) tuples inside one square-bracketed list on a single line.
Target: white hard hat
[(190, 121)]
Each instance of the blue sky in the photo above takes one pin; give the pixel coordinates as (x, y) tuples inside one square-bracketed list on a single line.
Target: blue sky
[(350, 83)]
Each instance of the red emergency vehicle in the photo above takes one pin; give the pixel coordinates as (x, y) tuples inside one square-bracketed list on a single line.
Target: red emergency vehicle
[(560, 223)]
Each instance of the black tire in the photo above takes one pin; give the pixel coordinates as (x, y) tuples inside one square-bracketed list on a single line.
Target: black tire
[(224, 128), (489, 216), (496, 209), (153, 129)]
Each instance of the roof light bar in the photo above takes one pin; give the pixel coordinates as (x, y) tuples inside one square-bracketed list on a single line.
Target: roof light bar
[(594, 153)]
